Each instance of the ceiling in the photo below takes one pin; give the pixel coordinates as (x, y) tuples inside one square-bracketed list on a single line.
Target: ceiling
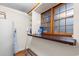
[(24, 7), (45, 6)]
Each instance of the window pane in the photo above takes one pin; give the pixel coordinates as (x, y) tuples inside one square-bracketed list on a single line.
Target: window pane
[(69, 13), (56, 23), (62, 28), (44, 25), (69, 29), (56, 11), (62, 8), (56, 29), (45, 29), (48, 24), (62, 22), (69, 21), (47, 19), (69, 6), (48, 29), (56, 17), (46, 14), (62, 15), (44, 20)]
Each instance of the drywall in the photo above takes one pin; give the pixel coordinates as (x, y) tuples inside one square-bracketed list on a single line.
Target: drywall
[(76, 22), (6, 47), (44, 47), (36, 22), (21, 22)]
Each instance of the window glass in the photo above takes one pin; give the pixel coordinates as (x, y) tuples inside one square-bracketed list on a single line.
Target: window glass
[(45, 29), (47, 19), (62, 28), (62, 8), (56, 11), (44, 25), (69, 13), (48, 24), (56, 17), (69, 6), (48, 29), (56, 28), (62, 15), (69, 21), (69, 29), (46, 14), (56, 23), (62, 22)]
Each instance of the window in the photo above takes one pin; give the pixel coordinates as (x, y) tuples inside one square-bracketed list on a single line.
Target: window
[(46, 21), (63, 18)]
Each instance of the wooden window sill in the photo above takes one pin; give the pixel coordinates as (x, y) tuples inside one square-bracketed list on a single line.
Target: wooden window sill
[(58, 34), (66, 40)]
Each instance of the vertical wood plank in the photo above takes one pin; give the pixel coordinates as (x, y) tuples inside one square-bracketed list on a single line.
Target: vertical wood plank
[(52, 21)]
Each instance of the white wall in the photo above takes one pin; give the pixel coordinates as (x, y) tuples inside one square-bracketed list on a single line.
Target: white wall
[(43, 47), (6, 47), (76, 22), (46, 47), (21, 21), (36, 22)]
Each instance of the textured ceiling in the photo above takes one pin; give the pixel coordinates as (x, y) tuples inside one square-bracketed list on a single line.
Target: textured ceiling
[(45, 6), (24, 7)]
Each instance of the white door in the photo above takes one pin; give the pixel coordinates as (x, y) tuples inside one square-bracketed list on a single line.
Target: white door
[(6, 44)]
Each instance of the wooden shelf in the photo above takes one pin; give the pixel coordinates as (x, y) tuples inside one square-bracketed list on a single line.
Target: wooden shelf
[(66, 40)]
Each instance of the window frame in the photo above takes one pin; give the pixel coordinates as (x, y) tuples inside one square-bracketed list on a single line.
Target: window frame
[(52, 24), (54, 11), (44, 22)]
